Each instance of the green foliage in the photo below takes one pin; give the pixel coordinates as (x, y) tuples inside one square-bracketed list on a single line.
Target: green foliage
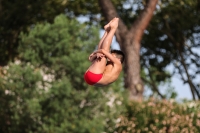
[(169, 31), (172, 37), (76, 111), (168, 27), (29, 103), (17, 16), (20, 96), (62, 47), (155, 80), (160, 116), (87, 7), (44, 91), (23, 15)]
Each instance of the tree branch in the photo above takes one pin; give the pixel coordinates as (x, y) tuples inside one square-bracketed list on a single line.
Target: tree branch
[(154, 86), (109, 12), (108, 9), (142, 21)]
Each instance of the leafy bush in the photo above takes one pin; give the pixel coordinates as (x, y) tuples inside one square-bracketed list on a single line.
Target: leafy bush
[(44, 91), (155, 116)]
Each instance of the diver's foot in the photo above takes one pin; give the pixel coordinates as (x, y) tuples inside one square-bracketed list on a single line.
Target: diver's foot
[(114, 23), (107, 27)]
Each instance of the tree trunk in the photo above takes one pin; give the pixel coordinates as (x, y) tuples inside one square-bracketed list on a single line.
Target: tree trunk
[(129, 41)]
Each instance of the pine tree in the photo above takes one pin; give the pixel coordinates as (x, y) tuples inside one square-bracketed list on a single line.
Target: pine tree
[(44, 89)]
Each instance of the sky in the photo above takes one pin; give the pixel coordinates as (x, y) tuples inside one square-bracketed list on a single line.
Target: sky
[(182, 90)]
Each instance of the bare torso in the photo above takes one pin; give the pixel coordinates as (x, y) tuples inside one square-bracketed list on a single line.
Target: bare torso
[(111, 73)]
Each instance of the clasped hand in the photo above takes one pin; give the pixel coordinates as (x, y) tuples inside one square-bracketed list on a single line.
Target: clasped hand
[(97, 54)]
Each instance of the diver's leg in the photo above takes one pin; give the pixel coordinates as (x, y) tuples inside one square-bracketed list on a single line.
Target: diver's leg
[(99, 64), (109, 37)]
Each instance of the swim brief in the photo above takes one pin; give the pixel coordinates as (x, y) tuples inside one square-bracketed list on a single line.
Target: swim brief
[(92, 78)]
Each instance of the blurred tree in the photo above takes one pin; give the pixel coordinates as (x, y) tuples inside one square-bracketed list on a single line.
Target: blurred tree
[(175, 32), (60, 48), (169, 14), (17, 16), (17, 19), (128, 11), (43, 90), (36, 12), (129, 38), (20, 96), (162, 116)]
